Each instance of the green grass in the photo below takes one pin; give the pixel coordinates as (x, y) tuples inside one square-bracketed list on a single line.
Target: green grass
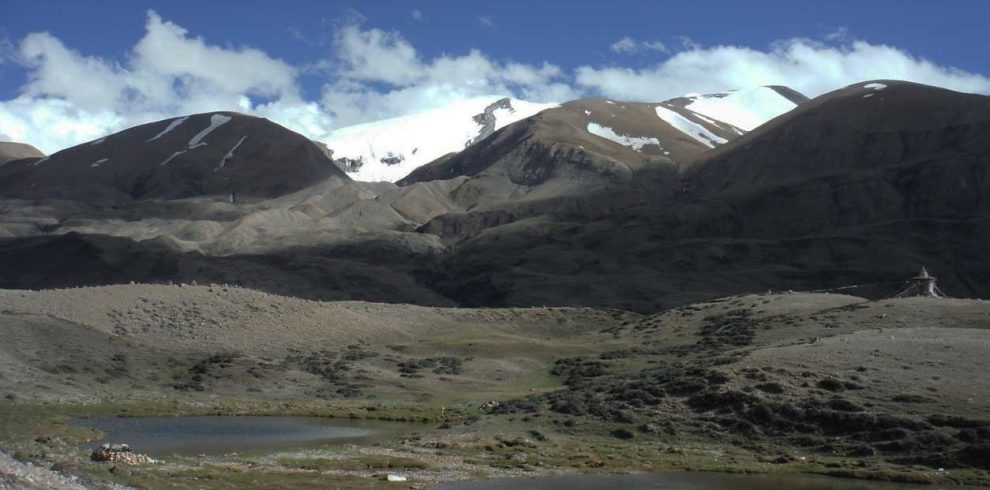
[(372, 462)]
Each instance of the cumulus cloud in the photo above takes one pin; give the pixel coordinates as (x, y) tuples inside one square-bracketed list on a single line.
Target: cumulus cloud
[(808, 66), (417, 15), (376, 73), (69, 98), (628, 45), (370, 73)]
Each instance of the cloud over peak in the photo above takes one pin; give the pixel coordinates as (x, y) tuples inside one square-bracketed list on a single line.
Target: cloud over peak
[(371, 73), (808, 66), (167, 73), (376, 73)]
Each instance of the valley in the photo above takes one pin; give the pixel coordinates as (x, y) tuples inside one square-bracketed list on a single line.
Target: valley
[(700, 284), (781, 383)]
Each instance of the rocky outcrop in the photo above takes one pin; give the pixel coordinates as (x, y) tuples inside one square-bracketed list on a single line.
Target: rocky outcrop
[(487, 119), (119, 453), (349, 165), (392, 159)]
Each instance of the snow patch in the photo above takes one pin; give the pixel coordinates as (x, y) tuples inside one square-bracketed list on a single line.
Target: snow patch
[(98, 162), (689, 127), (587, 112), (707, 120), (745, 109), (635, 142), (867, 96), (172, 125), (169, 159), (609, 102), (230, 154), (874, 86), (96, 142), (216, 121)]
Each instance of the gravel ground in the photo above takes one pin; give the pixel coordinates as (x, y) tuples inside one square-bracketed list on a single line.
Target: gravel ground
[(26, 476)]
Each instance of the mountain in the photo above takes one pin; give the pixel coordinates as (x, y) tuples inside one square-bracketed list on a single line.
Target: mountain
[(861, 186), (389, 149), (595, 202), (588, 158), (614, 138), (212, 154), (10, 151)]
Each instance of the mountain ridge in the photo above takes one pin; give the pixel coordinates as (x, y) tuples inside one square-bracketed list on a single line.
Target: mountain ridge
[(529, 217)]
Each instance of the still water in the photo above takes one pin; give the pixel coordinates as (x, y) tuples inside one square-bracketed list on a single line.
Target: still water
[(682, 481), (160, 436)]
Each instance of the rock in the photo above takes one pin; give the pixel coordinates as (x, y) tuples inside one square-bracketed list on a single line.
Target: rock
[(119, 453), (491, 405)]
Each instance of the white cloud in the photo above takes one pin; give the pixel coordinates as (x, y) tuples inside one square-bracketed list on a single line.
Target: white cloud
[(377, 74), (52, 123), (486, 21), (417, 15), (810, 67), (69, 98), (628, 45)]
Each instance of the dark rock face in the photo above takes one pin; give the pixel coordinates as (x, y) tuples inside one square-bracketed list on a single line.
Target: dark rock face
[(199, 155)]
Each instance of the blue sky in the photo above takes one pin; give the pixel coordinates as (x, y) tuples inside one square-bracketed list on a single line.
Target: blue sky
[(318, 65)]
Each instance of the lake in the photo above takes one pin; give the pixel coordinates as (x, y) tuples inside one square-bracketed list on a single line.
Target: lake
[(160, 436), (683, 481)]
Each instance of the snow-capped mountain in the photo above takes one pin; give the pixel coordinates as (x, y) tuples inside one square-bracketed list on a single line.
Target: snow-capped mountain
[(389, 149), (616, 139), (707, 120)]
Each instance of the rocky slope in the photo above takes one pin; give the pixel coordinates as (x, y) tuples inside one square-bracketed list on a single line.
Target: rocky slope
[(859, 186)]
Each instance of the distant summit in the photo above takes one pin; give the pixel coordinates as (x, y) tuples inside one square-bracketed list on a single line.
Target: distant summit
[(10, 151), (395, 149), (613, 139)]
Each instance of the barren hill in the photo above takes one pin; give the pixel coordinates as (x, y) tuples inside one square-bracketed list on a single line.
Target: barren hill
[(213, 154)]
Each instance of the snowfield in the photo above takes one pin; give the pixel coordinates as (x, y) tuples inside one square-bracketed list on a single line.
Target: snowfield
[(745, 109), (690, 128), (408, 142)]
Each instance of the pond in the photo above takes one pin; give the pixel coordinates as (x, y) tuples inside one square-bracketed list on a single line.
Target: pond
[(681, 481), (189, 436)]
